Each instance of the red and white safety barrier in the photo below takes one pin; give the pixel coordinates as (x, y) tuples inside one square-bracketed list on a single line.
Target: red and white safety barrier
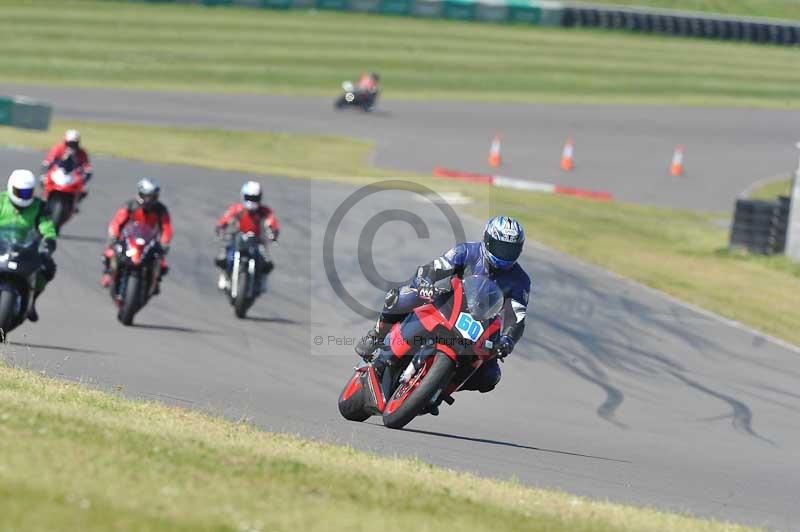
[(522, 184)]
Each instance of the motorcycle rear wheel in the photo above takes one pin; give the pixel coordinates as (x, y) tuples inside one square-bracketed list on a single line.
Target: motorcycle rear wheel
[(352, 401), (130, 303), (417, 400)]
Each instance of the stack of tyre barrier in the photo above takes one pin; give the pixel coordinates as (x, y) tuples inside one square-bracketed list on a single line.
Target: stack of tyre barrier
[(760, 226), (684, 24)]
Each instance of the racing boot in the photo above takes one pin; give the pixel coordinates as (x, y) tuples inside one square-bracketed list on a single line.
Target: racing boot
[(367, 345), (105, 280), (373, 339), (163, 270), (32, 315), (222, 281)]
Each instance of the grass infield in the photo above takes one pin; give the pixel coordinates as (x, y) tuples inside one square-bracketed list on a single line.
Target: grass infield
[(196, 48), (80, 459)]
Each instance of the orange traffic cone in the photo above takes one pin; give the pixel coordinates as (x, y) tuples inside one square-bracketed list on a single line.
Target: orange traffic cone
[(494, 152), (567, 156), (676, 168)]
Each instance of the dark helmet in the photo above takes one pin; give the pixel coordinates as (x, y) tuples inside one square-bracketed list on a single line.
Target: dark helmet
[(148, 190), (503, 238), (375, 77)]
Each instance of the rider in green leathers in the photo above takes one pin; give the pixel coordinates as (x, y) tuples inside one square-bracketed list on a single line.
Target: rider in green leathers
[(21, 210)]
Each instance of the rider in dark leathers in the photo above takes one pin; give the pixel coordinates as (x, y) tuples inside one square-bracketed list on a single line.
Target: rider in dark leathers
[(495, 257)]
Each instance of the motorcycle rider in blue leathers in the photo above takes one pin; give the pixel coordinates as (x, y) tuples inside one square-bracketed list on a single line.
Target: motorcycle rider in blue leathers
[(495, 257)]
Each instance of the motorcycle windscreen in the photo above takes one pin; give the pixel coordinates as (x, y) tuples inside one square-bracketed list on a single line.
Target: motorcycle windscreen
[(18, 237), (484, 297), (136, 230)]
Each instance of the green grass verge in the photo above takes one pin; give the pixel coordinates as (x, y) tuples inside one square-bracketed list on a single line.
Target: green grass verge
[(196, 48), (680, 252), (290, 155), (783, 9), (80, 459), (772, 189)]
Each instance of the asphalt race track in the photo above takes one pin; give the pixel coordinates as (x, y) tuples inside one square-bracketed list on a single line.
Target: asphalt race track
[(615, 392), (622, 149)]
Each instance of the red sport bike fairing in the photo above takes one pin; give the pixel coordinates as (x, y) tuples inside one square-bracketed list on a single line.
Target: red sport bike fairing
[(63, 189), (451, 338), (135, 267)]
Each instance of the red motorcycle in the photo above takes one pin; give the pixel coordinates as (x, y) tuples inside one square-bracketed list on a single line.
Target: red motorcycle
[(136, 268), (437, 347), (63, 189)]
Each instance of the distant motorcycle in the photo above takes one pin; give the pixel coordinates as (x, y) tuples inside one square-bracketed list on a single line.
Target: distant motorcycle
[(358, 98), (135, 268), (20, 262), (243, 264), (63, 189), (454, 337)]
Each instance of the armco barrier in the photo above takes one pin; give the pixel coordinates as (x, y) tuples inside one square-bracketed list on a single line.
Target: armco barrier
[(539, 12), (681, 23), (552, 13), (24, 113)]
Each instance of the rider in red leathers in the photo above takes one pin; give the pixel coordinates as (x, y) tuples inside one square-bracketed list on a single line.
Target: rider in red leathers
[(70, 148), (145, 209), (250, 216), (368, 82)]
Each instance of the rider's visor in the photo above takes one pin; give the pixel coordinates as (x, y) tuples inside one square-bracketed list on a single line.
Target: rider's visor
[(505, 251), (253, 198), (23, 193), (73, 144)]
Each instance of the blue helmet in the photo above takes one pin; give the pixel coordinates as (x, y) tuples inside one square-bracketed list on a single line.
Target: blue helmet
[(503, 238)]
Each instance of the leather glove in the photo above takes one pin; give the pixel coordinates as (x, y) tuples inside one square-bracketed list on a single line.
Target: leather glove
[(219, 231), (425, 288), (503, 347)]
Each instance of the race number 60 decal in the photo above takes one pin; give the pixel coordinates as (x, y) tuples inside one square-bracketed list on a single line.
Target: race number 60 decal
[(468, 327)]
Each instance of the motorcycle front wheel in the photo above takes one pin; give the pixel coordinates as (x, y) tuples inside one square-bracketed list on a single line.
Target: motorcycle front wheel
[(8, 300), (414, 397), (242, 302), (130, 301), (60, 209)]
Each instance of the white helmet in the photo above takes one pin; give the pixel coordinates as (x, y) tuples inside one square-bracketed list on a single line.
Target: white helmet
[(21, 186), (251, 195), (73, 137)]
